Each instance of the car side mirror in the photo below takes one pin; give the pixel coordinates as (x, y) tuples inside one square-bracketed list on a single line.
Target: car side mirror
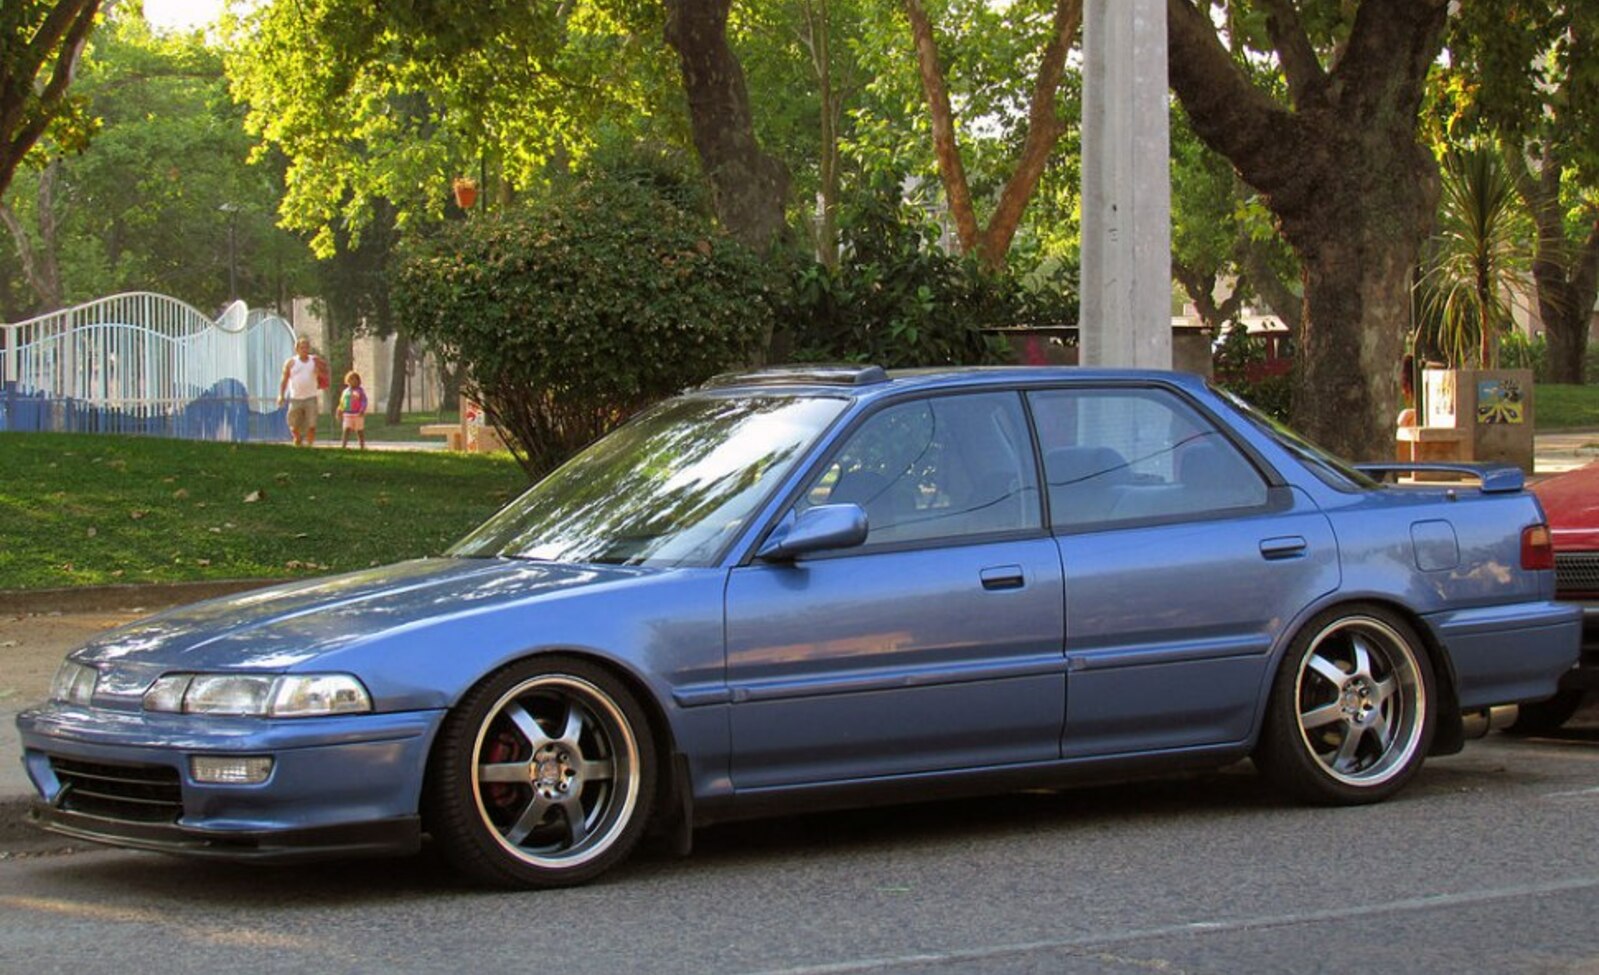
[(813, 530)]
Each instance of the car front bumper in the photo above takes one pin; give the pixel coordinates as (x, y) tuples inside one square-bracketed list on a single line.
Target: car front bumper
[(338, 786)]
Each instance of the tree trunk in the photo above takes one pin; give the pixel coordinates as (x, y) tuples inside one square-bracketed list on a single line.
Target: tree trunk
[(398, 376), (818, 42), (1352, 188), (1567, 274), (748, 187), (40, 265)]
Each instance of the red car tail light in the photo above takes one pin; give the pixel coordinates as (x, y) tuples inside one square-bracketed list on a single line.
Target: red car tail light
[(1537, 548)]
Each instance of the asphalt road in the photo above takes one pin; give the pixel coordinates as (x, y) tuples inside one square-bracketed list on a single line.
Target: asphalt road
[(1487, 863)]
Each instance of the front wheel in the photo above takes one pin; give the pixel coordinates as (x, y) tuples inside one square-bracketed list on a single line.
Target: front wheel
[(1351, 712), (543, 776)]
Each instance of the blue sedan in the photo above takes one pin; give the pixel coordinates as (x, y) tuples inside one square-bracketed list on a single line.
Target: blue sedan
[(808, 587)]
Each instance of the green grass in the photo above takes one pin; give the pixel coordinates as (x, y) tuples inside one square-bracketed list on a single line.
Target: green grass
[(1558, 407), (380, 431), (83, 509)]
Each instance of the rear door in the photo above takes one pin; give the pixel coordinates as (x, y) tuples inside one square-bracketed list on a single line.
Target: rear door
[(1184, 561)]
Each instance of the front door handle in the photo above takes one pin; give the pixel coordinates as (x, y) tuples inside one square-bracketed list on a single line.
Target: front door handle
[(1286, 547), (1003, 577)]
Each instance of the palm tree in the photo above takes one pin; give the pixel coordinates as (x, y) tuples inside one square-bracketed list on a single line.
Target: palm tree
[(1477, 266)]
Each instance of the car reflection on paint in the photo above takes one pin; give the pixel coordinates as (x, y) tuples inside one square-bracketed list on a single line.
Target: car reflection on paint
[(822, 587)]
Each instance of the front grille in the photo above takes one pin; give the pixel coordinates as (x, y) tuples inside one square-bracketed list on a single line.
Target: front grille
[(130, 793), (1576, 572)]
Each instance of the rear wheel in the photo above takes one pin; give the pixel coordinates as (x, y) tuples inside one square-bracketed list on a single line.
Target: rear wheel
[(1351, 713), (543, 776)]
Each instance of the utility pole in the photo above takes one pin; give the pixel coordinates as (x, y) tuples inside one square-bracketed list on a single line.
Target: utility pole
[(1126, 274)]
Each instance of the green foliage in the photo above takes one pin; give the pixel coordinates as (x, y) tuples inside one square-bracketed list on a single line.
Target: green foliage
[(568, 316), (897, 300), (86, 509), (392, 102), (1517, 351)]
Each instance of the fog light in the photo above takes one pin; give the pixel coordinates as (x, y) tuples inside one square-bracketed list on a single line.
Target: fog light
[(230, 769)]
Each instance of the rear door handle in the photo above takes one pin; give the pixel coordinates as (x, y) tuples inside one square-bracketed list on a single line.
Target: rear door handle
[(1286, 547), (1003, 577)]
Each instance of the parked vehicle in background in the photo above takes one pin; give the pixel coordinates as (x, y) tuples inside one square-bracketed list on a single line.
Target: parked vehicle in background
[(1571, 503), (814, 587)]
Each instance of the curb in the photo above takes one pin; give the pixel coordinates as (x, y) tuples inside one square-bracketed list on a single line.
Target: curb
[(86, 599)]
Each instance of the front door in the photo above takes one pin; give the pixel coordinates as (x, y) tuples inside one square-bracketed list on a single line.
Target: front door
[(937, 644)]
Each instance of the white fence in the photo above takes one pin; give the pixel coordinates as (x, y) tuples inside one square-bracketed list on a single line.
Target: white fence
[(146, 364)]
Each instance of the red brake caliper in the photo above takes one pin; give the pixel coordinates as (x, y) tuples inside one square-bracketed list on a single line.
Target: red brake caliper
[(502, 748)]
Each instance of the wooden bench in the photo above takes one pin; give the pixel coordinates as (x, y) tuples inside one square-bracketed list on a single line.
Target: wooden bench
[(451, 432)]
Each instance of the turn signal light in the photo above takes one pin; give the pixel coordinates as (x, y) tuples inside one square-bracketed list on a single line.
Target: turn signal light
[(1537, 548)]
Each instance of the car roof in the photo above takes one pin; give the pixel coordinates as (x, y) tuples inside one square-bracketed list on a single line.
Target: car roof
[(870, 381)]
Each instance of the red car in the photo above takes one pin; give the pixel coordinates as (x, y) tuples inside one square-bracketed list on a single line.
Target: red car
[(1571, 502)]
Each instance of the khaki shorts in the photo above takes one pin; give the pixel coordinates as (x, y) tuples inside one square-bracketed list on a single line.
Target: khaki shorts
[(354, 421), (302, 413)]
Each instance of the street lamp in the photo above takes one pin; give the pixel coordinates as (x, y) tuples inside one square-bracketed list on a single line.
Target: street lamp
[(232, 210)]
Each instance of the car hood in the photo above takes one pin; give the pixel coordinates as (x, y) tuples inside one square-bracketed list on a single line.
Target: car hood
[(284, 626), (1571, 502)]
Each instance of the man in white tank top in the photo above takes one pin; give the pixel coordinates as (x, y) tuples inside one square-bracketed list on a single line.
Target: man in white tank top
[(299, 388)]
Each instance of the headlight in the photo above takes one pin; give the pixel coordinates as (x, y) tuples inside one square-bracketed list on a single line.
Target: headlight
[(73, 683), (259, 695)]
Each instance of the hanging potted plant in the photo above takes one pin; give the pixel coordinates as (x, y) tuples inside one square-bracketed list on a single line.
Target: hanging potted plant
[(465, 192)]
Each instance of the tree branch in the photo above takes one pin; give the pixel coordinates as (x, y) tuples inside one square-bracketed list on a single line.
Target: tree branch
[(1301, 66), (1229, 113), (1044, 129), (950, 168)]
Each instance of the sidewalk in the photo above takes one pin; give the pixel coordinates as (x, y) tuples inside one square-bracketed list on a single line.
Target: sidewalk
[(38, 629)]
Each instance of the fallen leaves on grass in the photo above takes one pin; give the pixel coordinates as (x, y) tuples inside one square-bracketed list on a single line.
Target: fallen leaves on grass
[(254, 496)]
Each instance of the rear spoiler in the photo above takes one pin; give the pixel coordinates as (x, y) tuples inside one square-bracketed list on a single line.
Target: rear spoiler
[(1496, 479)]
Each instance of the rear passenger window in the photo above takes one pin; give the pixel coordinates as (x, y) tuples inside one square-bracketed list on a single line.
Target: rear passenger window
[(943, 467), (1128, 455)]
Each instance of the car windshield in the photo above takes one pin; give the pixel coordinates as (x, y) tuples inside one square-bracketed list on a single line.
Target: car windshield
[(671, 487), (1330, 468)]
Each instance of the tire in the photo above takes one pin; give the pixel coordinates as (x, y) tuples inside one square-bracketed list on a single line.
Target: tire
[(1546, 716), (1351, 713), (543, 776)]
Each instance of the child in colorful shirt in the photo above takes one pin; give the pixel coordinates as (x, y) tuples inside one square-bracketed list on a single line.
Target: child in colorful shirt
[(352, 409)]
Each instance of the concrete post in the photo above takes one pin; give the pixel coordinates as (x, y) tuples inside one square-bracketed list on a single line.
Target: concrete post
[(1126, 276)]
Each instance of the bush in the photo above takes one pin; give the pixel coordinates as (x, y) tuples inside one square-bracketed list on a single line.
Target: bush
[(572, 314), (1517, 351), (1272, 395), (897, 300)]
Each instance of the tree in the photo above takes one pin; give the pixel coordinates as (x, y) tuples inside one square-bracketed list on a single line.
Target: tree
[(570, 315), (1044, 128), (40, 44), (163, 198), (1332, 145), (1527, 72)]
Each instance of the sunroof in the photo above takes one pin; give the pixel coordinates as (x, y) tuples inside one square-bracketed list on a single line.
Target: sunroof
[(809, 375)]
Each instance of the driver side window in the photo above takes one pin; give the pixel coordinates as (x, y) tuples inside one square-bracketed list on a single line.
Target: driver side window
[(945, 467)]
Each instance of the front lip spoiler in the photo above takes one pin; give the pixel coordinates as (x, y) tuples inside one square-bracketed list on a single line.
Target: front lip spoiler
[(384, 837)]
